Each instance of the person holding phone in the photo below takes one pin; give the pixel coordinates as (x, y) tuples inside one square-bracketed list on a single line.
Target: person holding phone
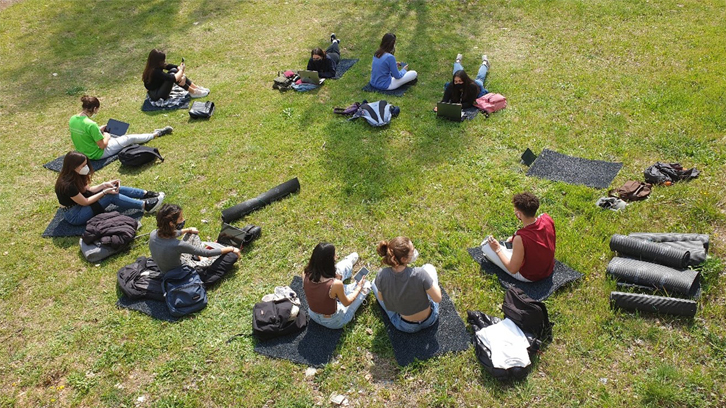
[(331, 303), (166, 249), (325, 62), (532, 256), (94, 141), (82, 200), (409, 295), (159, 83), (386, 72)]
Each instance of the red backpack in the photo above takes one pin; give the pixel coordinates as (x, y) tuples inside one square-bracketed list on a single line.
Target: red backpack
[(491, 102)]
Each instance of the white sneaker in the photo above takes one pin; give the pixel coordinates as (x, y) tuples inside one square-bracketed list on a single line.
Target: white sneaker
[(200, 93), (485, 60), (459, 57)]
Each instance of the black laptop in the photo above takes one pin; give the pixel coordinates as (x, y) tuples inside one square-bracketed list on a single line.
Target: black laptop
[(450, 111), (116, 127)]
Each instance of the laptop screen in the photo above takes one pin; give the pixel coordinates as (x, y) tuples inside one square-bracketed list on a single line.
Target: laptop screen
[(116, 127)]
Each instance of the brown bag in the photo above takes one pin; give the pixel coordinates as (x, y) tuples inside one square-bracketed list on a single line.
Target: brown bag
[(632, 191)]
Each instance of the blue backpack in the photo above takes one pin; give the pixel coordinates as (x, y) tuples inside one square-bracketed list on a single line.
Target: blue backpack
[(184, 291)]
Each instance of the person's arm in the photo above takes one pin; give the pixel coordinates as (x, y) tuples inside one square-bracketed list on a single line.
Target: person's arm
[(447, 93), (80, 199), (393, 66), (187, 248), (471, 97), (338, 291), (328, 70), (434, 293), (311, 65), (515, 262)]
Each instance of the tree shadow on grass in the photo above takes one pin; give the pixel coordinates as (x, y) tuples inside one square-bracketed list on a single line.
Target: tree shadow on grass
[(76, 46)]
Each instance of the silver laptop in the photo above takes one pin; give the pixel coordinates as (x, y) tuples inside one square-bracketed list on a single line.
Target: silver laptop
[(311, 77), (450, 111)]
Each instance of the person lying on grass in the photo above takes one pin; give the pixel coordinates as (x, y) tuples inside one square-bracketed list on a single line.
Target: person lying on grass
[(409, 295), (330, 302), (532, 256), (166, 249), (325, 62), (463, 89), (82, 201), (94, 141)]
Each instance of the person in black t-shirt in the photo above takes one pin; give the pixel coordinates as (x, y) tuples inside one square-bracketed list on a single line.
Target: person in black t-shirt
[(82, 200), (326, 61), (160, 83)]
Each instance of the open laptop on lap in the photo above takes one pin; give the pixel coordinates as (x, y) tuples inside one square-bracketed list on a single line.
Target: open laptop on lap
[(311, 77), (450, 111), (116, 127)]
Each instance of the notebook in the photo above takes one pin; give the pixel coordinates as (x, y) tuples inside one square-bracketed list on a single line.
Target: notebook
[(450, 111), (117, 128)]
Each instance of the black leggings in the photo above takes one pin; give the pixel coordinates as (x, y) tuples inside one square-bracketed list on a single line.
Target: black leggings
[(333, 52), (163, 91), (216, 271)]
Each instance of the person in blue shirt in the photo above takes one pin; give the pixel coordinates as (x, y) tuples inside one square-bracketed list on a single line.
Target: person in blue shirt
[(385, 72)]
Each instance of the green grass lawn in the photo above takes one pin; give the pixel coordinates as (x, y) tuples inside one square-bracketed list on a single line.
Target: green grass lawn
[(629, 81)]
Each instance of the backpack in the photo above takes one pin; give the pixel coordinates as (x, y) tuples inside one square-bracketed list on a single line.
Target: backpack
[(201, 110), (491, 103), (141, 280), (137, 155), (274, 318), (632, 191), (184, 291), (350, 110), (530, 315), (377, 113), (285, 80)]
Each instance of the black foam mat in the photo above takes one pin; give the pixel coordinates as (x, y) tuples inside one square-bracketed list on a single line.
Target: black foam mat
[(395, 92), (313, 346), (154, 308), (574, 170), (654, 275), (59, 227), (343, 66), (540, 290), (57, 164), (448, 334)]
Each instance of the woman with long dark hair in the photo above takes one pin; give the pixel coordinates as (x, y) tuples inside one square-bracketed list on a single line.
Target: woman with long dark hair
[(385, 72), (94, 141), (160, 83), (331, 303), (82, 200), (166, 249), (325, 62), (463, 89), (409, 295)]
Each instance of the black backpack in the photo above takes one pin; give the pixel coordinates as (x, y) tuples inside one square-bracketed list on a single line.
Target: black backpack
[(201, 110), (141, 280), (184, 291), (530, 315), (272, 319), (136, 155)]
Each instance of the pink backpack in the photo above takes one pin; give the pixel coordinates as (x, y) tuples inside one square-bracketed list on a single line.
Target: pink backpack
[(491, 102)]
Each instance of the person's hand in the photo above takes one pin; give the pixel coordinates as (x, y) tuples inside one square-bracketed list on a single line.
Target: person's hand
[(191, 230), (494, 244), (236, 251), (362, 280), (109, 191), (103, 128), (107, 184), (398, 64), (405, 67), (510, 239), (436, 108)]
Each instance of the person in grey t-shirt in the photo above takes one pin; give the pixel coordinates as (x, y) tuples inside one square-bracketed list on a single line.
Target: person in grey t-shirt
[(166, 249), (410, 296)]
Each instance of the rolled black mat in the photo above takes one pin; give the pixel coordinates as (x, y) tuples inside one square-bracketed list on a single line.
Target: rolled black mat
[(672, 237), (649, 251), (653, 304), (240, 210), (654, 275)]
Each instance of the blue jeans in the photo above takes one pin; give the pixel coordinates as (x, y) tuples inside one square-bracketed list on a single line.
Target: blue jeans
[(481, 76), (125, 199), (344, 314), (404, 326)]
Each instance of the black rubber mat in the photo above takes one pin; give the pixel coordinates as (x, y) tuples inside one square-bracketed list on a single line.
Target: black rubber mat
[(653, 304), (539, 290), (654, 275), (343, 66), (696, 244), (574, 170), (395, 92), (276, 193), (650, 252), (59, 227), (448, 334), (57, 164), (314, 346), (154, 308)]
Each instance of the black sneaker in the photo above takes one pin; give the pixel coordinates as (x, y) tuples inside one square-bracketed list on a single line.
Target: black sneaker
[(152, 205), (150, 194), (332, 37), (163, 132)]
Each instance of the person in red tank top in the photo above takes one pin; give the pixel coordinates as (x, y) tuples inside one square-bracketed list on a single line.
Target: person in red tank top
[(532, 256)]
